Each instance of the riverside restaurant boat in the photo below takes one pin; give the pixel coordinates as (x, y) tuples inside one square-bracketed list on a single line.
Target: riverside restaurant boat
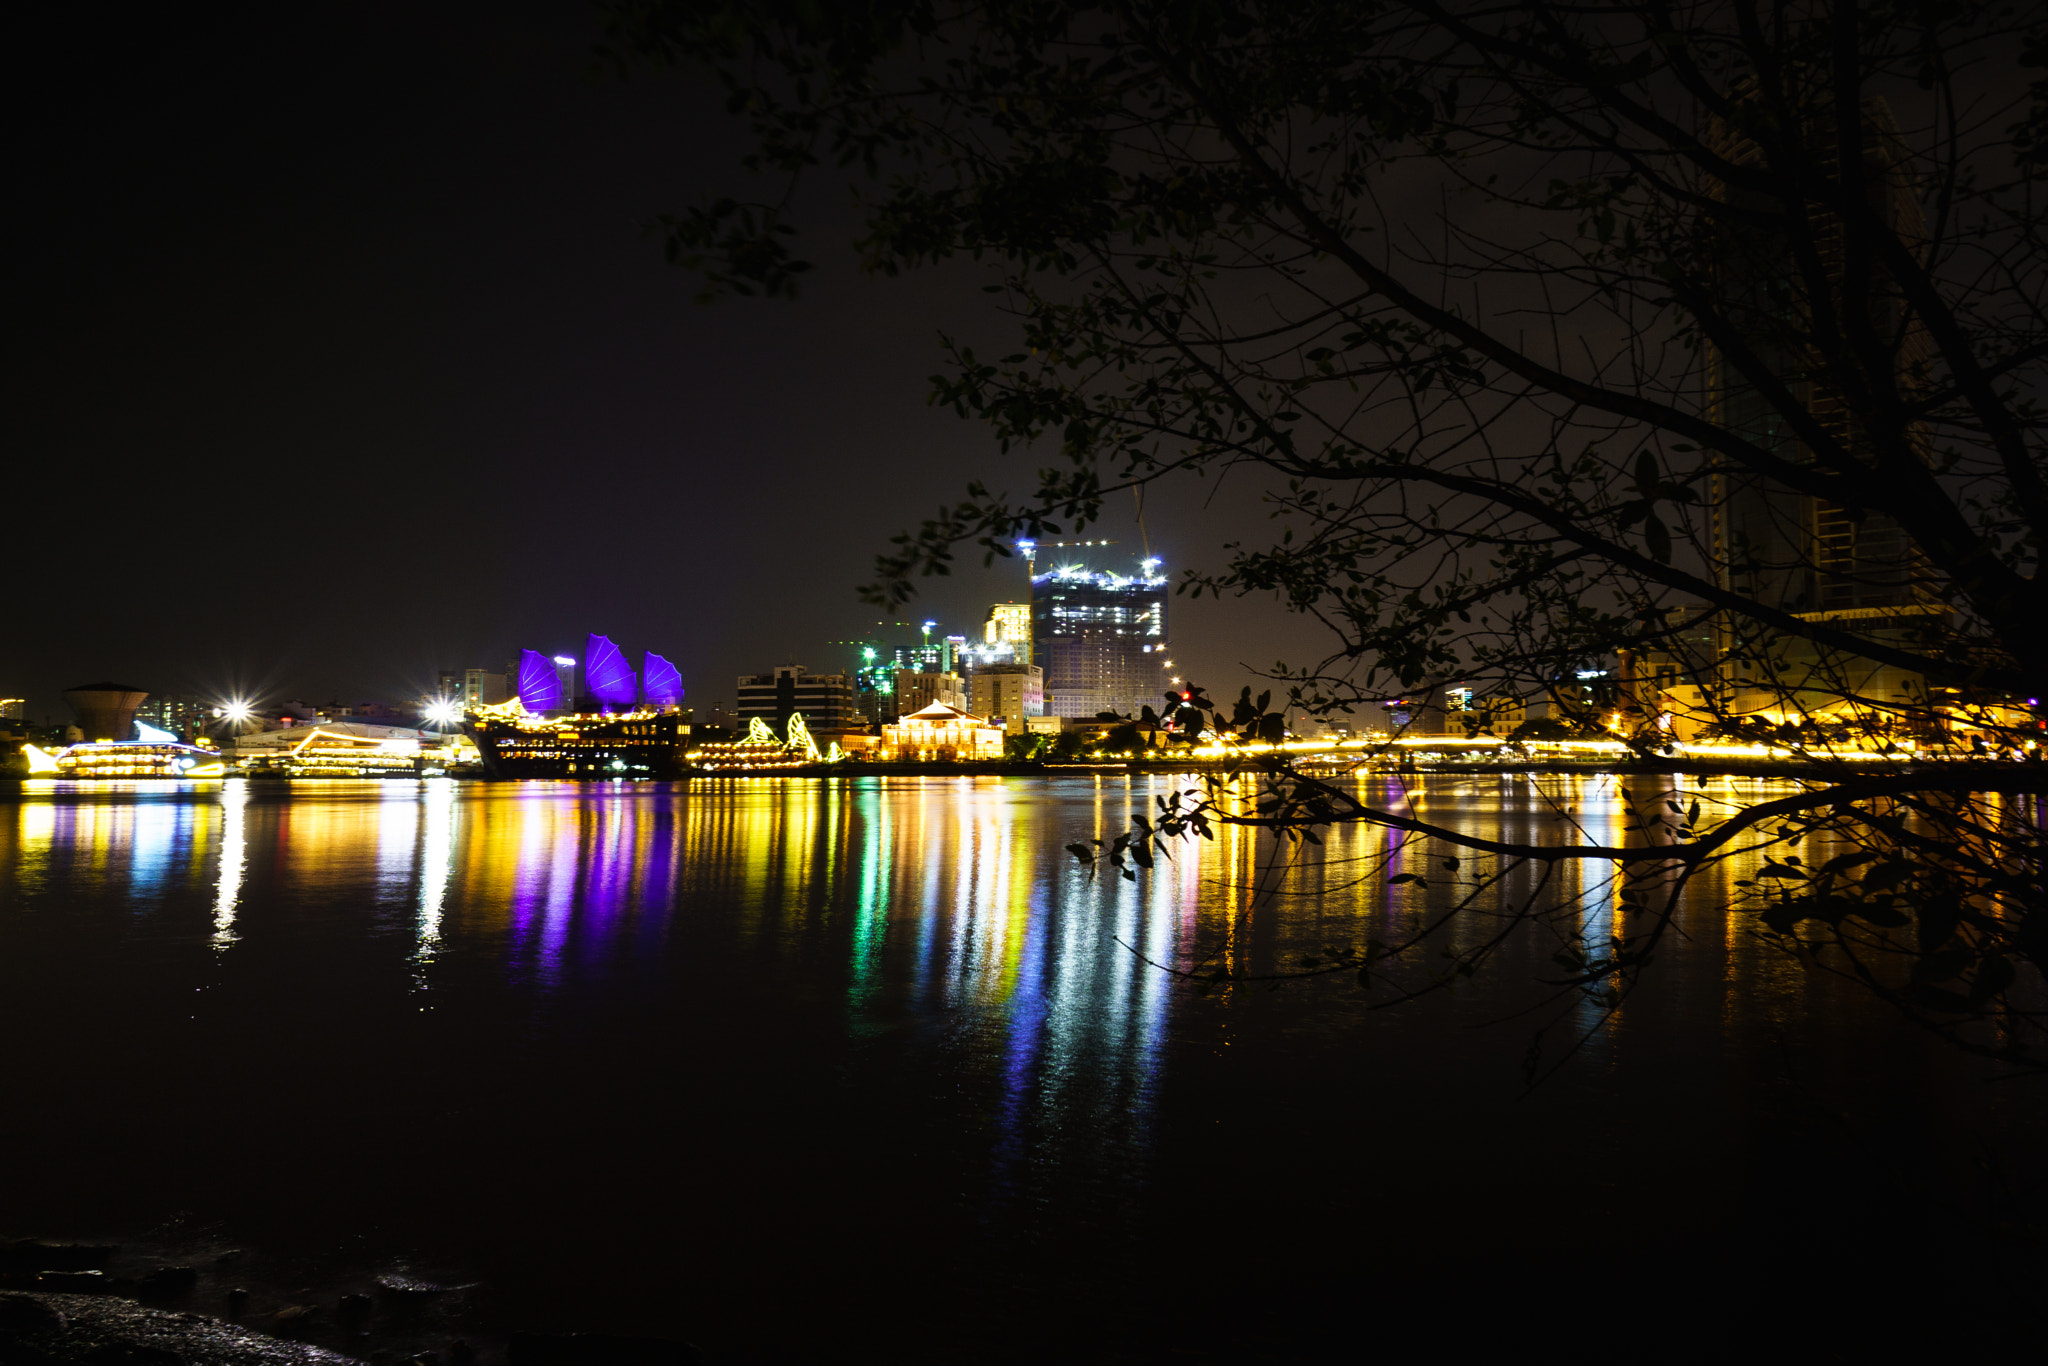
[(122, 759), (514, 743)]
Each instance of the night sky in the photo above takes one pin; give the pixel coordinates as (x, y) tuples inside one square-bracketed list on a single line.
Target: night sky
[(338, 355)]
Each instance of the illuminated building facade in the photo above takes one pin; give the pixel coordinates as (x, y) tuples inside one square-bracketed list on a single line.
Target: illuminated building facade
[(13, 709), (177, 714), (339, 750), (1009, 695), (825, 701), (916, 691), (940, 734), (629, 745), (892, 648), (1100, 639), (1009, 623)]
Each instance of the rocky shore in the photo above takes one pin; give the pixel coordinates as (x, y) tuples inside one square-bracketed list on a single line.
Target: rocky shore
[(72, 1302)]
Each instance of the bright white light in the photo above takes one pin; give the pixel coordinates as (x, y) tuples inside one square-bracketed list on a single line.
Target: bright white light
[(565, 661), (442, 712), (236, 711), (153, 735)]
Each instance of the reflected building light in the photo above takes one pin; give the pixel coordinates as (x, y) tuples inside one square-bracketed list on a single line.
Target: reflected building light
[(234, 796), (437, 862)]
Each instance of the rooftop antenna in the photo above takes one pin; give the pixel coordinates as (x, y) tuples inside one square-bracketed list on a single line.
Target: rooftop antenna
[(1138, 494)]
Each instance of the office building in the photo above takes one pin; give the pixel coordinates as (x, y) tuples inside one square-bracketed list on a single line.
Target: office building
[(1100, 639), (890, 648), (179, 714), (475, 688), (825, 701), (1009, 623), (1009, 695), (916, 691)]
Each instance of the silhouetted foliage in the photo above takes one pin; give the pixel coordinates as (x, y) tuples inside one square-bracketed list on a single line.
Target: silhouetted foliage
[(1699, 342)]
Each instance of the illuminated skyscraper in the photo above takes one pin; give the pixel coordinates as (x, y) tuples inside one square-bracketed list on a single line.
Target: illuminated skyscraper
[(1101, 639)]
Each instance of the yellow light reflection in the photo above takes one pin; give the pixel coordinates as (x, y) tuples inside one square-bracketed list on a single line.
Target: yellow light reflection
[(227, 893)]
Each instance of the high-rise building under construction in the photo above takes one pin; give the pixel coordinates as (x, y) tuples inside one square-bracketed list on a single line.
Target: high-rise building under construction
[(1100, 638), (1786, 549), (1790, 309)]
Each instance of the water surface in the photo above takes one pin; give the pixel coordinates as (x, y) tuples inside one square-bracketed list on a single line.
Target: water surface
[(870, 1068)]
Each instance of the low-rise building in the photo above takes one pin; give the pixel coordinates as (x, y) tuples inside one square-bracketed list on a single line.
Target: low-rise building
[(940, 733)]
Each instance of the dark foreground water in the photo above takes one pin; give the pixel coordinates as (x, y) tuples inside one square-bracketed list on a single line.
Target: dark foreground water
[(867, 1069)]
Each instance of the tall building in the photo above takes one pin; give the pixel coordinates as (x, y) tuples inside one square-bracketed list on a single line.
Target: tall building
[(1009, 623), (469, 689), (1785, 549), (890, 648), (13, 708), (1788, 549), (825, 701), (179, 714), (1100, 639), (1007, 694)]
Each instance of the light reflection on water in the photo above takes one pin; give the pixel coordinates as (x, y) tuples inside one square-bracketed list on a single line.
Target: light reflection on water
[(908, 978)]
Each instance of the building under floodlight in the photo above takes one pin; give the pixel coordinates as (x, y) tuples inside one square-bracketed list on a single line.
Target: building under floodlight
[(1100, 638)]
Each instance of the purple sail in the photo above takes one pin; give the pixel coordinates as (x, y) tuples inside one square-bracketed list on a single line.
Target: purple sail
[(607, 675), (662, 683), (540, 687)]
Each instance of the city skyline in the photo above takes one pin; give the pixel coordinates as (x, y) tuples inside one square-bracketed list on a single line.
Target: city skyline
[(421, 389)]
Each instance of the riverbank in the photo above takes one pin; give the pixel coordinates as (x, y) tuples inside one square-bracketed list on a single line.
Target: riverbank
[(194, 1303)]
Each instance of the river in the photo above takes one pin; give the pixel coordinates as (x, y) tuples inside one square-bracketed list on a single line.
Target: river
[(872, 1069)]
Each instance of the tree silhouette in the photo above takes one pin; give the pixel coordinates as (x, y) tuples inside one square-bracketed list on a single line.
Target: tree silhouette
[(1698, 343)]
